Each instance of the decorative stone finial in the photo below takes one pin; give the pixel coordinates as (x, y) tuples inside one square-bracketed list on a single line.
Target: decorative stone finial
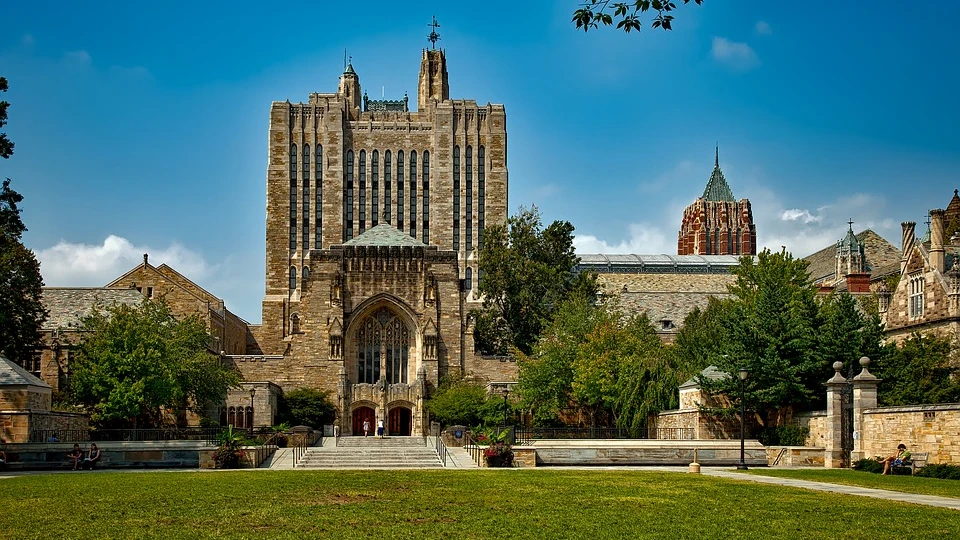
[(865, 374), (837, 366), (864, 361), (145, 259)]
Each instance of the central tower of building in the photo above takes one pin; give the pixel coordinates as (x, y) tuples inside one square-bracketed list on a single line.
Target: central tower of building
[(375, 214)]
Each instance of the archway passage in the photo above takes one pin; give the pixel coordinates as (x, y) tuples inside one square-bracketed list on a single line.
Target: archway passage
[(361, 414), (400, 422)]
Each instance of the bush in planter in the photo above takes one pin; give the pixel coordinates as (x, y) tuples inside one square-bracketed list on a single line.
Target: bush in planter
[(229, 449), (279, 435), (498, 453)]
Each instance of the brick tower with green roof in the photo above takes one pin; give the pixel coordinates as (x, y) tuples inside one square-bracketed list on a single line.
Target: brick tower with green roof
[(717, 223)]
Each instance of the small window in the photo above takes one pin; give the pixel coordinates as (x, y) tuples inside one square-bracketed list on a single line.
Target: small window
[(149, 292), (305, 274), (293, 278), (294, 324), (667, 324), (468, 283)]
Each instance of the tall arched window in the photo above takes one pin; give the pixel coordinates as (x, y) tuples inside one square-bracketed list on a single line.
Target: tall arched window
[(375, 189), (318, 194), (456, 198), (469, 201), (386, 186), (249, 423), (305, 274), (426, 197), (293, 197), (468, 283), (348, 199), (413, 193), (382, 341), (293, 277), (481, 196), (363, 191), (305, 242), (400, 189), (232, 416)]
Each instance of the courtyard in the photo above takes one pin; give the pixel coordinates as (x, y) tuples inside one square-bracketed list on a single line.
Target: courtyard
[(557, 503)]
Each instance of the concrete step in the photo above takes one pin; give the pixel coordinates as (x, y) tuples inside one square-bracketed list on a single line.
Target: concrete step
[(371, 456), (374, 442)]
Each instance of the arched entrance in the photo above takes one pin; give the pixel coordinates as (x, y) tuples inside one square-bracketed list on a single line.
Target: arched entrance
[(401, 421), (361, 414)]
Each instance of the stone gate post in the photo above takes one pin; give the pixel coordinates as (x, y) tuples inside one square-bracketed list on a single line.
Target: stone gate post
[(833, 448), (864, 397)]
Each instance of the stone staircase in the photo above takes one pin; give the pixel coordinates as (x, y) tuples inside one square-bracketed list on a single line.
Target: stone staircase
[(371, 453)]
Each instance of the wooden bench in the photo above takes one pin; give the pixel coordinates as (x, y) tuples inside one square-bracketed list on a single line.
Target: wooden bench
[(916, 461)]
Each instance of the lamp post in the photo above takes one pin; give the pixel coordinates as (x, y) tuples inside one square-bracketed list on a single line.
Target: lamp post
[(253, 392), (506, 392), (743, 416)]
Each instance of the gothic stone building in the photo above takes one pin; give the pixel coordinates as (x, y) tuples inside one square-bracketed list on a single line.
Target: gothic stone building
[(717, 223), (375, 215)]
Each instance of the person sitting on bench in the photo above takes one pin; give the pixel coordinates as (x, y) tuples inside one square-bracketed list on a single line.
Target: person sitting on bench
[(897, 460), (75, 455), (3, 456), (93, 456)]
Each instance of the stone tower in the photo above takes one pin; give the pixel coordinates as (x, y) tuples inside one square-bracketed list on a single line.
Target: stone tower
[(717, 223), (850, 257), (433, 86)]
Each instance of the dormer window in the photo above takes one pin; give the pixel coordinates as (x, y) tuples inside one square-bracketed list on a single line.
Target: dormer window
[(915, 298)]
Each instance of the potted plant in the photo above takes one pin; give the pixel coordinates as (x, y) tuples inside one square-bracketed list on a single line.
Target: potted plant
[(229, 449), (498, 453)]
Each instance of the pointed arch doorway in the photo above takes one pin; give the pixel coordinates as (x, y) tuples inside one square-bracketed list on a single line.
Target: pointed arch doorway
[(400, 422), (362, 414)]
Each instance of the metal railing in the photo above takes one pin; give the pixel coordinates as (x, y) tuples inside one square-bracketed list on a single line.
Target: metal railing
[(476, 451), (207, 435), (525, 435), (267, 447), (441, 450), (303, 441)]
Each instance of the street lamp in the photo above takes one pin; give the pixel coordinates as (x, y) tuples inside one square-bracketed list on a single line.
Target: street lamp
[(506, 392), (743, 415), (253, 392)]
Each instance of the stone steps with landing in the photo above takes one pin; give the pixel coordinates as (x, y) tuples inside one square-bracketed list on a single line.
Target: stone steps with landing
[(372, 453)]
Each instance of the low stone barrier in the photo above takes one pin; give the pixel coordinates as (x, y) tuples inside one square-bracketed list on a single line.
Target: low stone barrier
[(138, 454), (638, 452), (795, 456)]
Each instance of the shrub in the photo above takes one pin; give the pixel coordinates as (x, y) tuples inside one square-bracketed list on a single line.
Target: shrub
[(870, 465), (229, 449), (306, 407), (786, 435), (940, 470)]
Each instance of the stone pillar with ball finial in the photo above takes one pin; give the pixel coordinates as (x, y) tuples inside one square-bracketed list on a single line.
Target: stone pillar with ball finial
[(864, 397), (833, 457)]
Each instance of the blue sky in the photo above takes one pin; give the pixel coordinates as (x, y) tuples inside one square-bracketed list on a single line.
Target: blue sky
[(143, 128)]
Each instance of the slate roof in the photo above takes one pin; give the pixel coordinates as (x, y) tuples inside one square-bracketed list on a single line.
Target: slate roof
[(880, 256), (13, 375), (710, 372), (384, 235), (68, 305), (661, 306), (717, 188)]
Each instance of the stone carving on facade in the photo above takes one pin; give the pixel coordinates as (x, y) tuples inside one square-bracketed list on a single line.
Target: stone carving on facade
[(336, 290), (430, 290), (430, 341), (336, 340)]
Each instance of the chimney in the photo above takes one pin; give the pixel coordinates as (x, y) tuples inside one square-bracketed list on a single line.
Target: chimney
[(906, 242), (858, 283), (144, 259), (936, 240)]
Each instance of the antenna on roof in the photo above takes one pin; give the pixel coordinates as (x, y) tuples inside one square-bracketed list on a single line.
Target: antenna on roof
[(344, 59), (716, 162)]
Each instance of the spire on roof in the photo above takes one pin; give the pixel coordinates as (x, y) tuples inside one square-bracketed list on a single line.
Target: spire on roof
[(717, 188)]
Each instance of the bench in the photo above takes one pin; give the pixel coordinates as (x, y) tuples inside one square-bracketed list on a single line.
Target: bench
[(916, 461)]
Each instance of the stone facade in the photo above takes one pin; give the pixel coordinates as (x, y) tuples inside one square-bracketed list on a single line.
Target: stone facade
[(934, 429), (717, 223), (927, 296)]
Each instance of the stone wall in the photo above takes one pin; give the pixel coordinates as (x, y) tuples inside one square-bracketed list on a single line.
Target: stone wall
[(23, 397), (141, 454), (934, 429), (816, 422), (492, 368), (15, 426)]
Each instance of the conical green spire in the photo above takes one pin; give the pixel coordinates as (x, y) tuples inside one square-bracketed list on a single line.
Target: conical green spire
[(717, 188)]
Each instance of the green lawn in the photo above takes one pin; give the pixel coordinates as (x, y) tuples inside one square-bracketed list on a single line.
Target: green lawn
[(905, 483), (448, 504)]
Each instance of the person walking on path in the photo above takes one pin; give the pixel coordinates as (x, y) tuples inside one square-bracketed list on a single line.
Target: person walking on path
[(896, 460), (380, 428), (366, 428)]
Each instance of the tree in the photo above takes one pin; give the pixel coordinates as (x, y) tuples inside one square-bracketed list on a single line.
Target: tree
[(922, 370), (132, 362), (768, 327), (458, 401), (593, 13), (307, 407), (847, 333), (21, 310), (526, 272)]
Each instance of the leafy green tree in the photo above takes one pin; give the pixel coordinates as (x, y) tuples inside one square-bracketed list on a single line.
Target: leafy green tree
[(132, 362), (847, 333), (593, 13), (525, 274), (922, 370), (465, 402), (21, 311), (769, 327), (306, 407)]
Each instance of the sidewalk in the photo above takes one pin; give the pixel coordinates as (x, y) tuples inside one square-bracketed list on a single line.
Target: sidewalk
[(928, 500)]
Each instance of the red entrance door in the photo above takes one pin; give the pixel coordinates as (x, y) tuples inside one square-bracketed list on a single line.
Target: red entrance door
[(400, 423), (361, 414)]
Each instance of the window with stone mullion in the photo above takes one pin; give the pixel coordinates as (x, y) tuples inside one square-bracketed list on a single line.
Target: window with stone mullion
[(400, 189), (456, 198), (293, 197), (318, 193), (426, 197), (363, 191), (375, 189), (481, 197), (413, 193), (348, 199), (306, 199), (468, 206), (386, 186)]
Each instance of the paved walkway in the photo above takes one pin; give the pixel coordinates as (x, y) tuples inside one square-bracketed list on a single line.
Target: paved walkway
[(928, 500)]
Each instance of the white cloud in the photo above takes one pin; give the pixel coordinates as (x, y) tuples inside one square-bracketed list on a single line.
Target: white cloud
[(644, 238), (733, 54), (796, 214), (87, 265), (763, 28), (79, 58)]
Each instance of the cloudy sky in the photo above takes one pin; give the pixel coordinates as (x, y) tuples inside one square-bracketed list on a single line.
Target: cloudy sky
[(141, 128)]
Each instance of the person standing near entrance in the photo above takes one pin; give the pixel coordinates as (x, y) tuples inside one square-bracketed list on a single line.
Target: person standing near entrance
[(380, 428), (366, 428)]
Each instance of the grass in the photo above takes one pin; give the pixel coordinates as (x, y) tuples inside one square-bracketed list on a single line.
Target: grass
[(904, 483), (525, 504)]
